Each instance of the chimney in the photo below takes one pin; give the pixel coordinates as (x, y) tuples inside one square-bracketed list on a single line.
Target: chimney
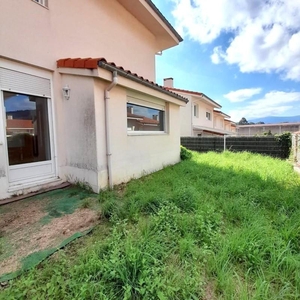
[(155, 117), (168, 82)]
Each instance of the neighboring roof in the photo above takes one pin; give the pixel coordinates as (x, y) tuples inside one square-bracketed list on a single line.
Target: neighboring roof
[(152, 5), (211, 130), (230, 121), (142, 119), (222, 113), (193, 93), (94, 63), (268, 125), (19, 124)]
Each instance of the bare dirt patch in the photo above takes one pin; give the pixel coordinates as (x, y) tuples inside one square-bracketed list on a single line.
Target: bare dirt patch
[(20, 214), (23, 232)]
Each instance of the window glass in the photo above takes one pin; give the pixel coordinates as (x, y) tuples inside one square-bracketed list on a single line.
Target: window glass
[(142, 118), (27, 128), (42, 2), (208, 115)]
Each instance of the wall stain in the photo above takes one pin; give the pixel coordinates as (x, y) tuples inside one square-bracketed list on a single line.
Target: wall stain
[(83, 166), (2, 173)]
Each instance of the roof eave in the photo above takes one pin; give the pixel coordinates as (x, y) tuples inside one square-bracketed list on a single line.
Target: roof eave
[(140, 80), (162, 17), (149, 15)]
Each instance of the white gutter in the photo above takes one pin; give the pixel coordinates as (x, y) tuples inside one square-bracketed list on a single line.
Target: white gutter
[(107, 127)]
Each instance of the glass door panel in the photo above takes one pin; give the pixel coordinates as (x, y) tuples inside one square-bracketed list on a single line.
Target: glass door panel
[(27, 128)]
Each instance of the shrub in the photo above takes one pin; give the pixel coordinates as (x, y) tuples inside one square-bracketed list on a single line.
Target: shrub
[(185, 154), (285, 141)]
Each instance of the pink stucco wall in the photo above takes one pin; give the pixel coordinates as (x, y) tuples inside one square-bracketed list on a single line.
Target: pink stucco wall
[(36, 35)]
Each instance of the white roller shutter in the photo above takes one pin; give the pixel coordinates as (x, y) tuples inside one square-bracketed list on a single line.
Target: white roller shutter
[(11, 80), (152, 103)]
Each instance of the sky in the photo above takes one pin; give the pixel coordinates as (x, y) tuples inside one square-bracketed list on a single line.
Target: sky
[(17, 102), (244, 54)]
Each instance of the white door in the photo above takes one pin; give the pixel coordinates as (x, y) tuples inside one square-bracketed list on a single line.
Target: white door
[(27, 126)]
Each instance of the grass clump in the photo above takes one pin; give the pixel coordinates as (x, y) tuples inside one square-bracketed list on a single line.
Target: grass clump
[(220, 226)]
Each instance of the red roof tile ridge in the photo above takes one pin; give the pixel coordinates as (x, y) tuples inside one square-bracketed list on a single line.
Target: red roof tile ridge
[(187, 91), (93, 63)]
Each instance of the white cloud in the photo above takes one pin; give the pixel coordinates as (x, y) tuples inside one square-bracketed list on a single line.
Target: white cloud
[(242, 95), (274, 103), (265, 33)]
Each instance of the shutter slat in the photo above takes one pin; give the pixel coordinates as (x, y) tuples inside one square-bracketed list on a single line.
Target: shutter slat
[(24, 83)]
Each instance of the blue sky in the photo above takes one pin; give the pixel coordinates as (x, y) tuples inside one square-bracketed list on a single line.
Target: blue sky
[(18, 102), (244, 54)]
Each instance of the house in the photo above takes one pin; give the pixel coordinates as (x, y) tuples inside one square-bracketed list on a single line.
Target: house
[(261, 129), (78, 98), (202, 115)]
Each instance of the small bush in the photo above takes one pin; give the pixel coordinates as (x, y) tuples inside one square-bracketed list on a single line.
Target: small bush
[(185, 154), (285, 141)]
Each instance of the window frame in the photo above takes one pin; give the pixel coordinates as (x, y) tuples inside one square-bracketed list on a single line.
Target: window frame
[(161, 107), (196, 110), (43, 3), (208, 115)]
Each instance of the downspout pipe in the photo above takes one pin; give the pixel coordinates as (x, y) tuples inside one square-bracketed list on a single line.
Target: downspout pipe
[(113, 83)]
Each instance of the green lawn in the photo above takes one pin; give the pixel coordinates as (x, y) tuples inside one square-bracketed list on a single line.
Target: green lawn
[(218, 226)]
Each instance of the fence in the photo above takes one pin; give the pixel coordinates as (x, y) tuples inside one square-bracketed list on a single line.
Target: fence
[(296, 147), (268, 145)]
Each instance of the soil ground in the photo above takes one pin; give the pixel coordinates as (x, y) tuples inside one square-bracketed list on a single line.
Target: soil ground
[(43, 222)]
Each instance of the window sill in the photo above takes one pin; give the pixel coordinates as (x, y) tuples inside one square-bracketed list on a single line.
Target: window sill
[(145, 133)]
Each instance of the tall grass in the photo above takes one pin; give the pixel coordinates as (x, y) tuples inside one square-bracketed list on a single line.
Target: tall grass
[(218, 226)]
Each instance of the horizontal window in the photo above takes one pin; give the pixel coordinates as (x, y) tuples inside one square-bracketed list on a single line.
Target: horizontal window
[(143, 118)]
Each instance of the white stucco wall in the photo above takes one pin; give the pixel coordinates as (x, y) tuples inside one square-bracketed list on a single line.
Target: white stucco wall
[(186, 114), (77, 137), (90, 28), (201, 120), (133, 156)]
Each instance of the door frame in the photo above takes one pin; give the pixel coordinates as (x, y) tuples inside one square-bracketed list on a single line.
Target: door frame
[(33, 178), (51, 119)]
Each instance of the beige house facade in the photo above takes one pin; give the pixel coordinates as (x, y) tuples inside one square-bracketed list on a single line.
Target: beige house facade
[(65, 79), (202, 115)]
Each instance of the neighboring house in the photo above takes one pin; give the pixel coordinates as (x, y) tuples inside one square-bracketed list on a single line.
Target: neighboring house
[(14, 126), (202, 115), (92, 120), (230, 126), (260, 129)]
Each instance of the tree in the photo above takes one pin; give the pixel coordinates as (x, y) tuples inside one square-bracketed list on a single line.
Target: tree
[(243, 121)]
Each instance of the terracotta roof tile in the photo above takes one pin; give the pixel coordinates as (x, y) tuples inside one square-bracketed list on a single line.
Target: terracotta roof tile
[(185, 91), (93, 63), (19, 123), (143, 119)]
